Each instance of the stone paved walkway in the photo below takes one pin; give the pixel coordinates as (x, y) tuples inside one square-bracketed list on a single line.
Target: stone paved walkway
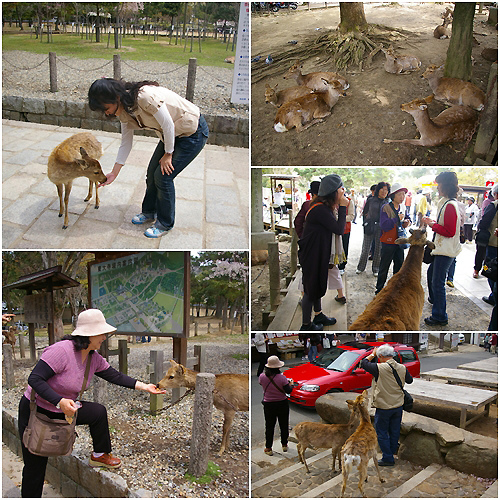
[(282, 475), (211, 196)]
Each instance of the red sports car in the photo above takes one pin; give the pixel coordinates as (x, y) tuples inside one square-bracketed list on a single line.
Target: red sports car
[(337, 370)]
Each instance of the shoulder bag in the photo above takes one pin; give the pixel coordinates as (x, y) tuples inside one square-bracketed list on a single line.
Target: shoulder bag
[(408, 399), (401, 231), (48, 437)]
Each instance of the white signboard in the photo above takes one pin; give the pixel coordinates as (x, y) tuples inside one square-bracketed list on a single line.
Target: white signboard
[(240, 93)]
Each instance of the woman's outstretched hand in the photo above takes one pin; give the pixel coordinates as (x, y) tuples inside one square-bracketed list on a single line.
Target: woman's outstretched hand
[(151, 388), (109, 179)]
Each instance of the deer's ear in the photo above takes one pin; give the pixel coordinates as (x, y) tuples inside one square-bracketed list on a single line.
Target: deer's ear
[(83, 153), (173, 363)]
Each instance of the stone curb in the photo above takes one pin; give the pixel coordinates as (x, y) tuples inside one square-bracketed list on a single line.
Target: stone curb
[(224, 130), (72, 476)]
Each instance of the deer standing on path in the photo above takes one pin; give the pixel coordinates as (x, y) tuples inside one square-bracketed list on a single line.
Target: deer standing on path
[(230, 393), (453, 124), (319, 435), (75, 157), (360, 447)]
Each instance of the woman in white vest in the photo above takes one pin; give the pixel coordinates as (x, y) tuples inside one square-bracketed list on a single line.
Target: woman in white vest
[(447, 240), (178, 123), (388, 398)]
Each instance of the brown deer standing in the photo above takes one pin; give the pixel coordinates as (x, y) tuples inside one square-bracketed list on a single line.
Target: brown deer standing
[(313, 80), (75, 157), (10, 338), (453, 90), (453, 124), (230, 393), (319, 435), (360, 448)]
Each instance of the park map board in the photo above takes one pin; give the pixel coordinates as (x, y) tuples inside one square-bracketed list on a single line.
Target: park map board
[(143, 292)]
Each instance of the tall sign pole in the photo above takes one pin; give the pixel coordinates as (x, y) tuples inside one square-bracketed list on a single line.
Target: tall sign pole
[(240, 93)]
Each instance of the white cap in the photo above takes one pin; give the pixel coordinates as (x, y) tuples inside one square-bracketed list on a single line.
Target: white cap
[(92, 322)]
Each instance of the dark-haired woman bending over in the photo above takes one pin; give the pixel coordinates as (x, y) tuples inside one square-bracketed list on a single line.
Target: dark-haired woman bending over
[(181, 128)]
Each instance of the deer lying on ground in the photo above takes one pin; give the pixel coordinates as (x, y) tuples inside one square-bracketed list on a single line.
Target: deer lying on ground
[(230, 393), (453, 90), (398, 306), (313, 80), (453, 124), (75, 157), (281, 97), (442, 30), (360, 448), (399, 64), (318, 435), (305, 111)]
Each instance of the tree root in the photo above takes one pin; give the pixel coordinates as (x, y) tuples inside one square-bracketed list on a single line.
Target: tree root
[(344, 50)]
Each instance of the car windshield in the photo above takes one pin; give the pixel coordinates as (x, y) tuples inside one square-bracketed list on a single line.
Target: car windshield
[(336, 359)]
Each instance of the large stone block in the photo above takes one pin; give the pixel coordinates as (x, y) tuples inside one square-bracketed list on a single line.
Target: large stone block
[(53, 476), (210, 119), (33, 105), (421, 449), (49, 119), (55, 107), (244, 126), (92, 124), (81, 492), (140, 493), (226, 125), (70, 121), (475, 456), (75, 109), (95, 115), (68, 465), (112, 485), (234, 140), (110, 126), (12, 103), (33, 118), (333, 409), (68, 487)]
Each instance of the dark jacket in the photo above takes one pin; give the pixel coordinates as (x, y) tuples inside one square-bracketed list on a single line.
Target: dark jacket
[(315, 247), (300, 218)]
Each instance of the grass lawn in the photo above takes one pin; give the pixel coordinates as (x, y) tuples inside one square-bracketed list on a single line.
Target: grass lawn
[(133, 49)]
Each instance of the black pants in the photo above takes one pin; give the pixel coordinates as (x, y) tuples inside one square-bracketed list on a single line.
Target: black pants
[(307, 307), (272, 411), (479, 259), (92, 414), (345, 245), (262, 361), (468, 231), (389, 253)]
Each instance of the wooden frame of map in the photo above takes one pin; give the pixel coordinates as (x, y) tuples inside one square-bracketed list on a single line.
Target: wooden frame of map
[(143, 293)]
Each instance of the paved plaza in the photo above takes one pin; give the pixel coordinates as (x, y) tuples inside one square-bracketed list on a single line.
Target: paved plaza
[(211, 196)]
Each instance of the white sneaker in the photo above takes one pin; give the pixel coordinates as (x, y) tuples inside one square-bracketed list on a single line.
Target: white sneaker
[(375, 274), (358, 271)]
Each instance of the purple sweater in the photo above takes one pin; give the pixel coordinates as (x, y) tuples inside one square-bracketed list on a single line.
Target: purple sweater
[(271, 393)]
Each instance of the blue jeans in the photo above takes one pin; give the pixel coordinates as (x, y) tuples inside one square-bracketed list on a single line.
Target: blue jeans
[(387, 425), (313, 352), (451, 270), (160, 191), (436, 279)]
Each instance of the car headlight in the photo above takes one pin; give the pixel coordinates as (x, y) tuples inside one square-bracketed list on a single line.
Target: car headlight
[(310, 388)]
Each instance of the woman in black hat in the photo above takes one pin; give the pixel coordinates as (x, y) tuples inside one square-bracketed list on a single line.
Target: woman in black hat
[(315, 248)]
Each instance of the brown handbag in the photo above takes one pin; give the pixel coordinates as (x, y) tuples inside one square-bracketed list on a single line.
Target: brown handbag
[(49, 437)]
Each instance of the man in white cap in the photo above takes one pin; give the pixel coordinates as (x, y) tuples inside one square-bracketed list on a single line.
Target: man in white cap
[(57, 379), (392, 222)]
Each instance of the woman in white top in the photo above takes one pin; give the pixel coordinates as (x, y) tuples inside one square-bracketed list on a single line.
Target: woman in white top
[(178, 123)]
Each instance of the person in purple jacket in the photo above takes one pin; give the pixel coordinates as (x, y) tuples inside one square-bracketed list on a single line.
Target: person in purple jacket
[(276, 387), (57, 380)]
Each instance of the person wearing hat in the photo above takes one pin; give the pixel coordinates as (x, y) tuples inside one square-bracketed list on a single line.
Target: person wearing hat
[(447, 241), (392, 219), (471, 218), (57, 379), (315, 248), (371, 227), (300, 218), (276, 387)]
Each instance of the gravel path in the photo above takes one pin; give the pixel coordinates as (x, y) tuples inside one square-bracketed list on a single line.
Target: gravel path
[(26, 74), (155, 450)]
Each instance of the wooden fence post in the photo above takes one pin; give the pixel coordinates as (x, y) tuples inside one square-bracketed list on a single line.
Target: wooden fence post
[(191, 79), (202, 423), (155, 375), (196, 329), (122, 356), (53, 71), (274, 274), (8, 364), (200, 352), (117, 67), (21, 345)]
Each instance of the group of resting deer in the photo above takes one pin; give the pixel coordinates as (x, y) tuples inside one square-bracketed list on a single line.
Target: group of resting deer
[(354, 443)]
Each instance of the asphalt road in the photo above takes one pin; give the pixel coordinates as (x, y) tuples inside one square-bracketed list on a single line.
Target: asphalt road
[(299, 414)]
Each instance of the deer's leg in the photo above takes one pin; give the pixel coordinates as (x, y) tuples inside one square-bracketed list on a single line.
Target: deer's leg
[(303, 456), (60, 194), (307, 125), (363, 473), (415, 142), (89, 195), (96, 196), (228, 420), (345, 475), (67, 191), (375, 461)]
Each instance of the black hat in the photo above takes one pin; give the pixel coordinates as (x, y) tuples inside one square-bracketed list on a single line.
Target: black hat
[(329, 184), (314, 187)]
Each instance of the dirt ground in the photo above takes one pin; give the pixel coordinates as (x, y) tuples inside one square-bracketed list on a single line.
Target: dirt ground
[(353, 134)]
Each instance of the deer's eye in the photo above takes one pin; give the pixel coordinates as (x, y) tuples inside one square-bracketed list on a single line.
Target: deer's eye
[(171, 377)]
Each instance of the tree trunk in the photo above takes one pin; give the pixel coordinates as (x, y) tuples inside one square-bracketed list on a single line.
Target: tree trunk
[(352, 17), (458, 58)]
